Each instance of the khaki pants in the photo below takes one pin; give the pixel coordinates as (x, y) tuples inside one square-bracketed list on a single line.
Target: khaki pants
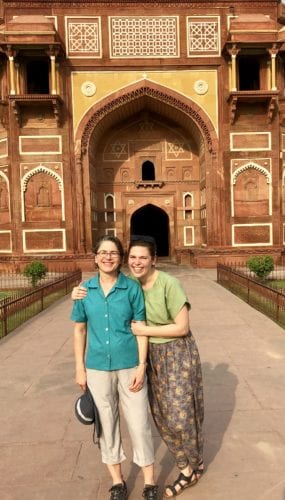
[(108, 388)]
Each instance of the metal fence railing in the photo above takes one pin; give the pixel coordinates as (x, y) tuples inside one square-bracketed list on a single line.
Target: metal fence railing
[(261, 296), (25, 302)]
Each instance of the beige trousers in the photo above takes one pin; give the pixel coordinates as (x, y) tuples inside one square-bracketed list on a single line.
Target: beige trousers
[(108, 388)]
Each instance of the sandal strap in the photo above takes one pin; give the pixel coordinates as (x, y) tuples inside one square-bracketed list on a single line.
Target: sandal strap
[(186, 479), (172, 489)]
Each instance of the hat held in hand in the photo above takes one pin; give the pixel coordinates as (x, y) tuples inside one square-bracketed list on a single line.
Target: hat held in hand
[(87, 413)]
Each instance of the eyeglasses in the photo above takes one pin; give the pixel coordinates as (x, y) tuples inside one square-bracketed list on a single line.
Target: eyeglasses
[(104, 253)]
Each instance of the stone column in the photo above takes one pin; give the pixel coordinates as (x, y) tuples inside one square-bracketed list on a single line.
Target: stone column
[(233, 51), (273, 53), (53, 75), (52, 53), (12, 71)]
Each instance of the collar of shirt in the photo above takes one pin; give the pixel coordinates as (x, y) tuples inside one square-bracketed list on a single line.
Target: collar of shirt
[(120, 283)]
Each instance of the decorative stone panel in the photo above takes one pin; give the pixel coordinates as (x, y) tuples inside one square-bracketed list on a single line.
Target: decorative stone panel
[(144, 36), (40, 144), (252, 234), (5, 215), (189, 236), (5, 242), (283, 234), (250, 141), (83, 37), (283, 142), (251, 187), (4, 147), (42, 192), (44, 240), (203, 36)]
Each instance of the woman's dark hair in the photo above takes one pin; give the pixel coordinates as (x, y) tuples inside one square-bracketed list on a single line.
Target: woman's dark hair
[(138, 240), (114, 240)]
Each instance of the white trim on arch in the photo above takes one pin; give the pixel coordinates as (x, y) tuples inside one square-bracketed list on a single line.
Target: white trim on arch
[(36, 170), (252, 164), (106, 196)]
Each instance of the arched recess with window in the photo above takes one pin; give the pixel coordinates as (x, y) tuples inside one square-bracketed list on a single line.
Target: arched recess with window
[(148, 145)]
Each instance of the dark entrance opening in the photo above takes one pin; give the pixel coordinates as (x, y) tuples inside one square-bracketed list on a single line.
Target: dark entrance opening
[(249, 69), (38, 77), (148, 172), (152, 221)]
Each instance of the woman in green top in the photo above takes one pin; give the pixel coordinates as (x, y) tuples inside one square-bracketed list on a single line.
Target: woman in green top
[(174, 368)]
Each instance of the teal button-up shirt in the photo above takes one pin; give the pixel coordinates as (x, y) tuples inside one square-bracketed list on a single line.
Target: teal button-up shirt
[(110, 342)]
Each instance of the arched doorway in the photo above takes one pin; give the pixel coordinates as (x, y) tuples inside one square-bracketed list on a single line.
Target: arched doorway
[(153, 221)]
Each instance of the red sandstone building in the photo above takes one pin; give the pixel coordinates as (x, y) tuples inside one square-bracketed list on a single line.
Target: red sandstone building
[(142, 117)]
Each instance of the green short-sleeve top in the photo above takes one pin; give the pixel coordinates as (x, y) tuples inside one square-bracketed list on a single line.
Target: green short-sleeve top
[(163, 301)]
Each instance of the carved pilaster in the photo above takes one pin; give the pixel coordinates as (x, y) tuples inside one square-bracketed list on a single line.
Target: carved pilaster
[(273, 51), (80, 198)]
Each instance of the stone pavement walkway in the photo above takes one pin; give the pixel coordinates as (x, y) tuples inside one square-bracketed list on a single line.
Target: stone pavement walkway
[(46, 454)]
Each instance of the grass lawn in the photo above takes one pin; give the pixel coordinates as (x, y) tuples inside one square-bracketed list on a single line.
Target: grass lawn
[(276, 283), (18, 317), (262, 304)]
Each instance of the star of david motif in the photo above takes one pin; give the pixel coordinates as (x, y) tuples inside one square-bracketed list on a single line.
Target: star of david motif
[(176, 148), (118, 149), (146, 126)]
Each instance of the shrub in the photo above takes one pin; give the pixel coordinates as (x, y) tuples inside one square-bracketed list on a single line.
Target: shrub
[(261, 266), (35, 271)]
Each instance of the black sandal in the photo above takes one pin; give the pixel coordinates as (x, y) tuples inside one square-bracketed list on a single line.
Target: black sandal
[(188, 481)]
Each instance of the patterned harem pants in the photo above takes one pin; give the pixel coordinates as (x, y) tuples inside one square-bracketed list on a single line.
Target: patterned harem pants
[(176, 398)]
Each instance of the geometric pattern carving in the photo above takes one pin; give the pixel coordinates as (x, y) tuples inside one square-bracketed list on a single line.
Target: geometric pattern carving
[(143, 36), (83, 37), (203, 36), (178, 150), (115, 151)]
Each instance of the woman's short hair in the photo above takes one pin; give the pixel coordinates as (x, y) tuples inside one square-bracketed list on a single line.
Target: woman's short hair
[(141, 240), (114, 240)]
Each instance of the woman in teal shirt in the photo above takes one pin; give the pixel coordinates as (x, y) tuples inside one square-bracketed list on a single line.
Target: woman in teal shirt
[(111, 361)]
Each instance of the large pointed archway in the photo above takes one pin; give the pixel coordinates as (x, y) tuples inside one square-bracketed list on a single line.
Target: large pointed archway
[(143, 164), (153, 221)]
